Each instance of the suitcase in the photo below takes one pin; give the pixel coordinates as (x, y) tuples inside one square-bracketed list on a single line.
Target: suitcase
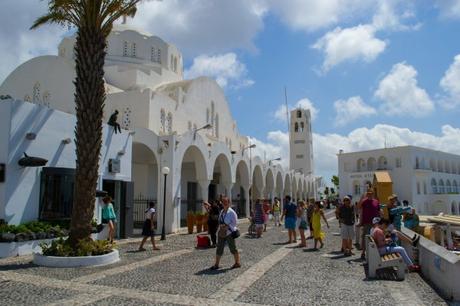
[(203, 241)]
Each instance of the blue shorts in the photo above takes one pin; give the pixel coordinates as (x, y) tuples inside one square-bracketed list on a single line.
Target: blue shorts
[(289, 223)]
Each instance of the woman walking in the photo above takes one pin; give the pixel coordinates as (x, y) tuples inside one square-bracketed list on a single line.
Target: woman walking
[(227, 226), (109, 217), (276, 212), (148, 230), (302, 224), (213, 221), (259, 218), (318, 234)]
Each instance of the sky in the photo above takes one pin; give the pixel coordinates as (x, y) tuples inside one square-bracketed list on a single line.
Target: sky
[(374, 73)]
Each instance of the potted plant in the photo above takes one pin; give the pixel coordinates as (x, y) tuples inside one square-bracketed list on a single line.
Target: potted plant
[(205, 222), (190, 221), (199, 221)]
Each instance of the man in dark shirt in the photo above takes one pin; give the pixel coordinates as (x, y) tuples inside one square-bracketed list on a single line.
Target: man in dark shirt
[(370, 208), (346, 216), (289, 212)]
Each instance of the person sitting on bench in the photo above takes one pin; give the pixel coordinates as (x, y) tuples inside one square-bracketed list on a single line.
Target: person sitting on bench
[(113, 122), (378, 233)]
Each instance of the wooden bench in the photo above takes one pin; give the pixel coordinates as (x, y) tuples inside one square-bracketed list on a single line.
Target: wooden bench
[(375, 261)]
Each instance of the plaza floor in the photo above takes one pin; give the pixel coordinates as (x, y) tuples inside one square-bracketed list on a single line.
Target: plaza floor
[(272, 273)]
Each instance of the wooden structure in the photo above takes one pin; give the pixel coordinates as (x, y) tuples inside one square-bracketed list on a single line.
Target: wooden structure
[(383, 186)]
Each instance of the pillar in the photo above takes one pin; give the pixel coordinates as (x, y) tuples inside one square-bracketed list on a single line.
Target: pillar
[(204, 189), (246, 196)]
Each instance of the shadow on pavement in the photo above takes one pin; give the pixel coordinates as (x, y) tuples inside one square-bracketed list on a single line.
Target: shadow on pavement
[(21, 266), (208, 271)]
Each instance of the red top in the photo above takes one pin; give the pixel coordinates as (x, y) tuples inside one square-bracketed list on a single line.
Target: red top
[(371, 209)]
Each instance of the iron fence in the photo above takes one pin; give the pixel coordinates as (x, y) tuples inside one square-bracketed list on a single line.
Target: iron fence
[(140, 205)]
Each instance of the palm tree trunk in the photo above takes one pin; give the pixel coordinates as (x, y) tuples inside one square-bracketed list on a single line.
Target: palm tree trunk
[(89, 98)]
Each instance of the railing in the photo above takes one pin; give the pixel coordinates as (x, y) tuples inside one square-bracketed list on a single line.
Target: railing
[(140, 205)]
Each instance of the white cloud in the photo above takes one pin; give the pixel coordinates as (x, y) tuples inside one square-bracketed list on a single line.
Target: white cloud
[(326, 146), (225, 68), (351, 110), (356, 43), (17, 42), (202, 26), (449, 8), (401, 95), (304, 103), (450, 83)]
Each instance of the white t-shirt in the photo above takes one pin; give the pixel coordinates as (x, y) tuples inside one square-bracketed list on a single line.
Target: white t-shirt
[(149, 213)]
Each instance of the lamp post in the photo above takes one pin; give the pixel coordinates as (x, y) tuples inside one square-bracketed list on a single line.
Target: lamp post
[(275, 159), (206, 127), (165, 172)]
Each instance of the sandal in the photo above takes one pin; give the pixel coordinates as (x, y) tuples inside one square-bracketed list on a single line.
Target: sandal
[(236, 265), (214, 267), (141, 250)]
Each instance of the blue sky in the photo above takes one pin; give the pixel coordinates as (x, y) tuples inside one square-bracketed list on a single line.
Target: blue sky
[(374, 72)]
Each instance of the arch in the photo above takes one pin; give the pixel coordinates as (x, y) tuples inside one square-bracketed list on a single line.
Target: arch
[(441, 186), (294, 188), (299, 189), (240, 190), (305, 192), (279, 185), (242, 172), (287, 184), (454, 186), (222, 167), (448, 187), (193, 154), (257, 182), (434, 186), (360, 165), (269, 184), (371, 164), (144, 172), (382, 163)]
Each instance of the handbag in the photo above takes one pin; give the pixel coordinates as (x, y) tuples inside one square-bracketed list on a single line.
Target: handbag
[(235, 234), (222, 233)]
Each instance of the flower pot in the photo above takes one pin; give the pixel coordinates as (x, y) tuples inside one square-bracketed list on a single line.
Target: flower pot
[(190, 222), (199, 223)]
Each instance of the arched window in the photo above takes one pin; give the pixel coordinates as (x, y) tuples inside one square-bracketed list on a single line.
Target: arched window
[(299, 114), (418, 187), (296, 127), (169, 123), (382, 162), (360, 165), (424, 188), (441, 186), (448, 187), (371, 164), (302, 127), (162, 121), (125, 48), (454, 187), (434, 186)]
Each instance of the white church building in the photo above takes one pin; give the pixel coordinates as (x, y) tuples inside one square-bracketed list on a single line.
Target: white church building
[(184, 125), (428, 179)]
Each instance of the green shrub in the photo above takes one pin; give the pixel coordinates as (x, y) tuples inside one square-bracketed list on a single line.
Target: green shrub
[(62, 248)]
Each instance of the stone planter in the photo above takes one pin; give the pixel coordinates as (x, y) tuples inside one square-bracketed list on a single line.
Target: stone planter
[(10, 249), (81, 261)]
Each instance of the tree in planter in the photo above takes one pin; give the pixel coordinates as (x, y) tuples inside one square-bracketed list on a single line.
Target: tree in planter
[(93, 20)]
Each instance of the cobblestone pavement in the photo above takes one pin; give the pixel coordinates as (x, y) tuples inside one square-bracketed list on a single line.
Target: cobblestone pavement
[(272, 273)]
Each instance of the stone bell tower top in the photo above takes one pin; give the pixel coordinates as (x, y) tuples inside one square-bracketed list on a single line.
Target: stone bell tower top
[(301, 141)]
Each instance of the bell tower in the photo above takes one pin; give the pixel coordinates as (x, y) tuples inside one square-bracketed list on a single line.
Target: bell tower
[(301, 141)]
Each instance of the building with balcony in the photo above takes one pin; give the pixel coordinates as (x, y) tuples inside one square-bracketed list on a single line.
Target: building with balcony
[(428, 179)]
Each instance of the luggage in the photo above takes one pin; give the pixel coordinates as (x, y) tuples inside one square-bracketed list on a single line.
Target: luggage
[(203, 241)]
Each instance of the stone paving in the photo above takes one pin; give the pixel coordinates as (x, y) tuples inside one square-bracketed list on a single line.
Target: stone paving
[(272, 273)]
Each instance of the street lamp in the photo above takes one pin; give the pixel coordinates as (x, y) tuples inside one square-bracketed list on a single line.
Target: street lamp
[(165, 172), (206, 127), (248, 147), (275, 159)]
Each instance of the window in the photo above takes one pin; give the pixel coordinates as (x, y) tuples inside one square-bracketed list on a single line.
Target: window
[(162, 121), (382, 162), (299, 156), (417, 163), (418, 187), (371, 164), (133, 50), (56, 193), (302, 126), (448, 187), (454, 187), (299, 141), (125, 48), (434, 186), (360, 165), (299, 114), (153, 54), (424, 188), (296, 127), (441, 187), (398, 162), (159, 56), (169, 121)]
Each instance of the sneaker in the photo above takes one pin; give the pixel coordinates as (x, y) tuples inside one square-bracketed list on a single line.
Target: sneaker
[(214, 267)]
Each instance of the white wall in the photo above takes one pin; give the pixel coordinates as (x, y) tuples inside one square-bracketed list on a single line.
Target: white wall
[(51, 127)]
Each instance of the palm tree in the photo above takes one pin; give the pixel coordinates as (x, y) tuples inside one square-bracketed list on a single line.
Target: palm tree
[(93, 20)]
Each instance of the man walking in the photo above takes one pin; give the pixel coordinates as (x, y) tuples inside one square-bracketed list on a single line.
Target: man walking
[(370, 208), (289, 212), (346, 214)]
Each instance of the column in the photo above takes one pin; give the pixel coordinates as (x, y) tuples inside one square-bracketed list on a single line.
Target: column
[(246, 196), (204, 189)]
